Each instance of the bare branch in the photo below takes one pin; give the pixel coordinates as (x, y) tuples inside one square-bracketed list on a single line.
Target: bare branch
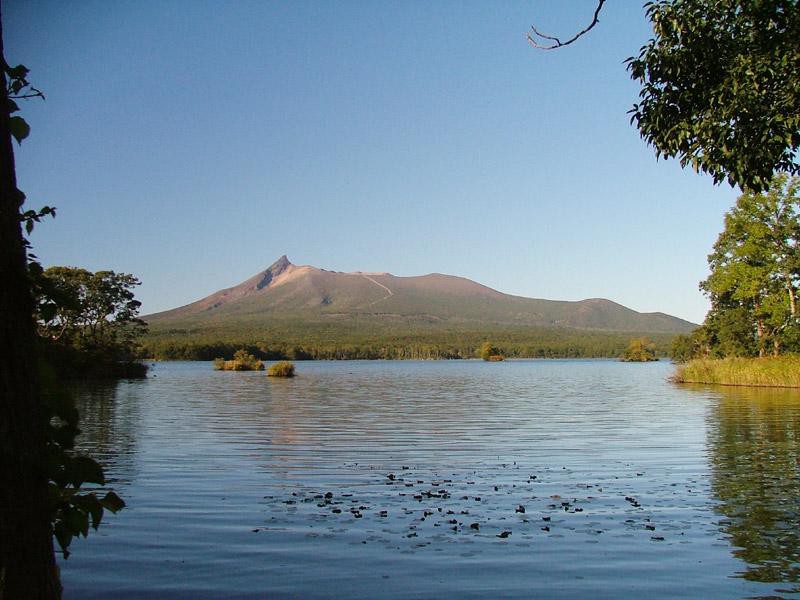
[(535, 37)]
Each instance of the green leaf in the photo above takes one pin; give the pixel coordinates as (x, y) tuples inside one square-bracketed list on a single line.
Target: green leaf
[(112, 502), (19, 128), (18, 72), (78, 522), (95, 509), (84, 469), (63, 537), (64, 436)]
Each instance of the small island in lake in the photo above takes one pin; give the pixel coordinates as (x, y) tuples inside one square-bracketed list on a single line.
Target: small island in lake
[(640, 350), (242, 361), (283, 368)]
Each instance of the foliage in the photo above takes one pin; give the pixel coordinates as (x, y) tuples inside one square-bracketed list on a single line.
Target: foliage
[(242, 361), (721, 87), (727, 331), (88, 320), (755, 272), (771, 371), (639, 350), (19, 88), (487, 351), (88, 309), (683, 348), (282, 340), (72, 507), (283, 368)]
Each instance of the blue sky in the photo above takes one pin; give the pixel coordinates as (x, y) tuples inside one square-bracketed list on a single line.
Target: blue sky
[(191, 143)]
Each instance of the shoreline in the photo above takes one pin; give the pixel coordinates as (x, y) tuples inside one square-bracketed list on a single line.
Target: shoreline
[(771, 372)]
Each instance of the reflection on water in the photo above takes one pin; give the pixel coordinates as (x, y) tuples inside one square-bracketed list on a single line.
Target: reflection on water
[(754, 443), (521, 479), (110, 419)]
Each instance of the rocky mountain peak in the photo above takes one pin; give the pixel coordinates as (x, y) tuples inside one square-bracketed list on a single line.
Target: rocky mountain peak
[(275, 269)]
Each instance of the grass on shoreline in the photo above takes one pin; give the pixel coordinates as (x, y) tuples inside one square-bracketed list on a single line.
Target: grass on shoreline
[(777, 371)]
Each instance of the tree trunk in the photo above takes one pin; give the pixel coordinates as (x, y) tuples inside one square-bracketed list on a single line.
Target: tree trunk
[(760, 334), (792, 299), (27, 563), (776, 346)]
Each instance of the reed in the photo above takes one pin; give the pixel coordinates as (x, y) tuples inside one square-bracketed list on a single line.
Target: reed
[(773, 371)]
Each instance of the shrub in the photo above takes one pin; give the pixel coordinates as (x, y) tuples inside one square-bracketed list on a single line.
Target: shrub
[(639, 350), (242, 361), (489, 352), (283, 368)]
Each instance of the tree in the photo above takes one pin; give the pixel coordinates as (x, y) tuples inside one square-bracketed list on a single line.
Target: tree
[(91, 311), (489, 351), (755, 267), (727, 331), (27, 563), (639, 350), (721, 87), (41, 477), (684, 347)]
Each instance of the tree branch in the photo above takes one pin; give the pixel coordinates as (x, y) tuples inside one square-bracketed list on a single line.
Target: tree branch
[(535, 37)]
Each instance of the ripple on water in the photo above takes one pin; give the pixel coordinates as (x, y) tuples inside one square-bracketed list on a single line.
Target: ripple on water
[(406, 479)]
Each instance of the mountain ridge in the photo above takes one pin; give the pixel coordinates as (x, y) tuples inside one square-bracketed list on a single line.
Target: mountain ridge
[(285, 291)]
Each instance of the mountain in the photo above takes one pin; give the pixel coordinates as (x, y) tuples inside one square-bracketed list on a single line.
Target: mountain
[(323, 300)]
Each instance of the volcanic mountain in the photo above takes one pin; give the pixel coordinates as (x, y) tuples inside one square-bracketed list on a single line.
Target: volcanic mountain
[(285, 292)]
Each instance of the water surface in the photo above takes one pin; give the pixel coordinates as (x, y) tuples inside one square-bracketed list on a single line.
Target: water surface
[(441, 479)]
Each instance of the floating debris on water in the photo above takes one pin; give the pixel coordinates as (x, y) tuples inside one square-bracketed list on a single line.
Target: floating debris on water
[(430, 511)]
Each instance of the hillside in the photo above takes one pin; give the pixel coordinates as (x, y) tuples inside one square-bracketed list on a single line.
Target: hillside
[(287, 303), (286, 291)]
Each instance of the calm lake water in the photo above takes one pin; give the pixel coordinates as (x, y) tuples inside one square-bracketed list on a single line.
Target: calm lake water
[(408, 480)]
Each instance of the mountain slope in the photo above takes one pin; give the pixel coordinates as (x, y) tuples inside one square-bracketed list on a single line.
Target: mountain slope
[(285, 292)]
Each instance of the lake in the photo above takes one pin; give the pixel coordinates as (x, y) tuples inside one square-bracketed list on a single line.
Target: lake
[(464, 479)]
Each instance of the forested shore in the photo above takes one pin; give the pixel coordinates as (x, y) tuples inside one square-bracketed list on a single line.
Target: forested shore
[(521, 344), (751, 335)]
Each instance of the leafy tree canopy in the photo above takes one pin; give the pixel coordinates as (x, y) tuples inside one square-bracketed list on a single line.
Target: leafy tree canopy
[(640, 350), (755, 274), (489, 351), (90, 311), (721, 87)]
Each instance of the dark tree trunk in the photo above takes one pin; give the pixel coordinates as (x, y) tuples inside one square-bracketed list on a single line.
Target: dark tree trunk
[(27, 563)]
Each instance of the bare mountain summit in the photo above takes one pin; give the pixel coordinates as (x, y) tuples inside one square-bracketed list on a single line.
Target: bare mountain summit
[(287, 292)]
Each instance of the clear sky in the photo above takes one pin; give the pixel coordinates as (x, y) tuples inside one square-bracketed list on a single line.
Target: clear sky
[(193, 142)]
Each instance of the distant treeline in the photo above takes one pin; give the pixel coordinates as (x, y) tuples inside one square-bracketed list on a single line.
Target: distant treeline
[(551, 344)]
